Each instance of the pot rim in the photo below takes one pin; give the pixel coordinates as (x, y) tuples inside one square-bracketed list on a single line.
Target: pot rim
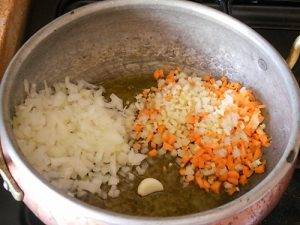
[(208, 216)]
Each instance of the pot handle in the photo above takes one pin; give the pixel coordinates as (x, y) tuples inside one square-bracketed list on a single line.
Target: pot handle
[(8, 182), (294, 53)]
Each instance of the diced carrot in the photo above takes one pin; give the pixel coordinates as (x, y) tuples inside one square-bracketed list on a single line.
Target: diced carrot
[(161, 129), (146, 112), (206, 185), (215, 187), (172, 139), (243, 180), (198, 139), (182, 171), (220, 162), (200, 163), (237, 160), (212, 134), (229, 163), (206, 157), (223, 177), (241, 147), (247, 162), (207, 85), (233, 174), (194, 161), (199, 181), (218, 93), (191, 136), (249, 156), (192, 119), (232, 180), (170, 78), (158, 74), (138, 128), (257, 154), (260, 169), (169, 138), (167, 146), (248, 130), (149, 137), (197, 162), (165, 136), (185, 148), (198, 151), (229, 149), (246, 171), (211, 146), (152, 153), (185, 158), (256, 143)]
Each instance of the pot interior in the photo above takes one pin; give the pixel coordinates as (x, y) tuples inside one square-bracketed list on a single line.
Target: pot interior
[(120, 47)]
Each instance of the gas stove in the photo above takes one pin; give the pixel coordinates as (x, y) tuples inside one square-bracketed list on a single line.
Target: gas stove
[(278, 21)]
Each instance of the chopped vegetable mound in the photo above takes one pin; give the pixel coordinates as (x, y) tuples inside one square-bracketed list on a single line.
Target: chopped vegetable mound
[(76, 138), (214, 128)]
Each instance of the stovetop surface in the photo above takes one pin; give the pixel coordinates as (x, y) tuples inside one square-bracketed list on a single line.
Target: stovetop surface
[(278, 21)]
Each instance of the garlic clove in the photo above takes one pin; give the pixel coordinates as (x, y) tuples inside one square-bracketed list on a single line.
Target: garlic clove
[(148, 186)]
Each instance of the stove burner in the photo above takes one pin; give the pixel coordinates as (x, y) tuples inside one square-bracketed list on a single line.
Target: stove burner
[(28, 218)]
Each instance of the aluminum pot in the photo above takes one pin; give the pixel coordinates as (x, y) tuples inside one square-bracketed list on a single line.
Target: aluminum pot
[(125, 37)]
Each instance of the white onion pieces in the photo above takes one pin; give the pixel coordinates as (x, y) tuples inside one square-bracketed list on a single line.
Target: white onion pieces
[(75, 138)]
